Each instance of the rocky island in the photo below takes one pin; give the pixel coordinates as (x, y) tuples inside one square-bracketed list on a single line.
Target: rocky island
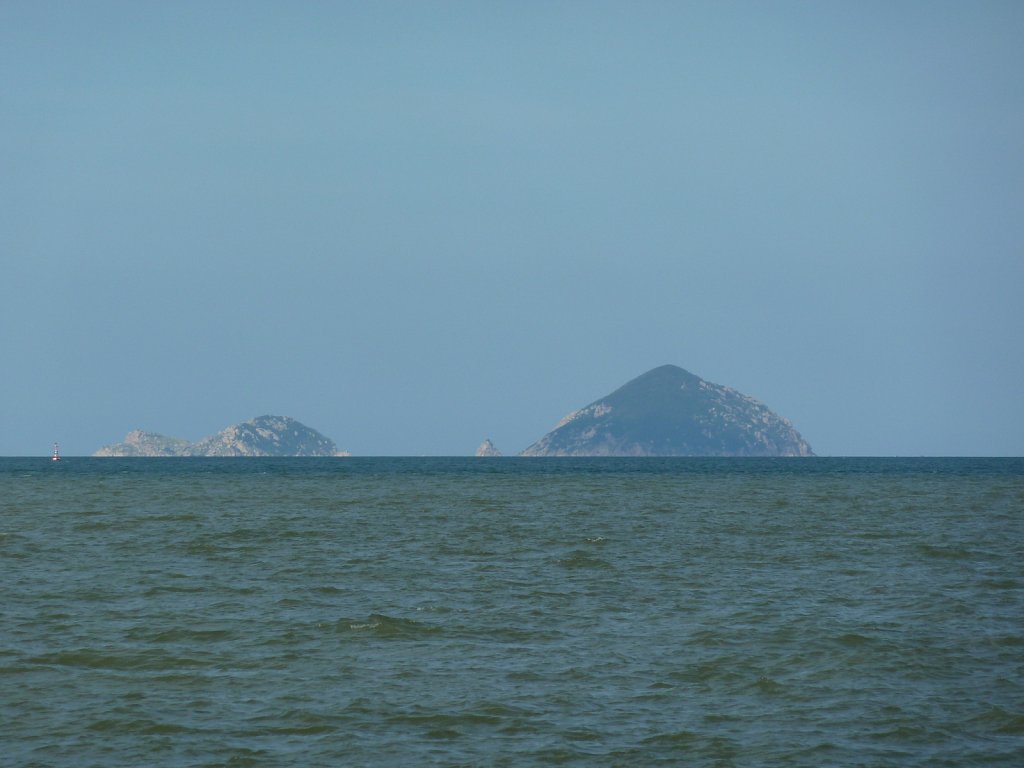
[(262, 436), (487, 450), (671, 412)]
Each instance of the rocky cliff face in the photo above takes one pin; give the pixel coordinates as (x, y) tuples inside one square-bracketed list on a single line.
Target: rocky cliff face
[(672, 412), (262, 436)]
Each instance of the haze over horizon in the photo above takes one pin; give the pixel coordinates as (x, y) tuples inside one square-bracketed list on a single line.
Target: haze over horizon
[(414, 226)]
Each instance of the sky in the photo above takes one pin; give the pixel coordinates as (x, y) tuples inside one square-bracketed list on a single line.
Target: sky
[(414, 225)]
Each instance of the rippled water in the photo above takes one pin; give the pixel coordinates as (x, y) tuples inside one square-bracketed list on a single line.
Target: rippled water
[(510, 612)]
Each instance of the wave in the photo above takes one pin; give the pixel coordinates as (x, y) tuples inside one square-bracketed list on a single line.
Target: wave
[(388, 627), (1000, 720), (118, 659), (943, 552), (141, 726), (579, 558)]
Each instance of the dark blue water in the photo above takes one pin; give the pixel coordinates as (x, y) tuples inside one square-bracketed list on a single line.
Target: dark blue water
[(512, 612)]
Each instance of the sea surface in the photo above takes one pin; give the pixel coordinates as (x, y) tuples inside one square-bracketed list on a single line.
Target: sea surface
[(512, 612)]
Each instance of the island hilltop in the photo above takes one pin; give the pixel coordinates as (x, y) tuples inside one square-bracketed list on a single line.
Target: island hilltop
[(671, 412), (262, 436)]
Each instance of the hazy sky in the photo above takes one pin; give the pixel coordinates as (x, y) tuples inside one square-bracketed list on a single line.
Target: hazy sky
[(415, 225)]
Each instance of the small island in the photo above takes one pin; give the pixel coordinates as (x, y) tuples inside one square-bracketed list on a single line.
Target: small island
[(262, 436), (487, 449)]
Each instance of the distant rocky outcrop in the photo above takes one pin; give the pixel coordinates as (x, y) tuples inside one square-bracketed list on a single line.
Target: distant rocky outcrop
[(139, 443), (487, 449), (266, 436), (671, 412), (262, 436)]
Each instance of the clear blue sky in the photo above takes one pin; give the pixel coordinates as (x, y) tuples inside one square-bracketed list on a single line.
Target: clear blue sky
[(415, 225)]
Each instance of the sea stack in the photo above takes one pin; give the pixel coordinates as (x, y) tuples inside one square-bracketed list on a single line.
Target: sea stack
[(487, 449), (671, 412)]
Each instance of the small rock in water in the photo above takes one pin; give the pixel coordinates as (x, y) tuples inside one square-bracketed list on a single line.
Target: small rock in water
[(487, 449)]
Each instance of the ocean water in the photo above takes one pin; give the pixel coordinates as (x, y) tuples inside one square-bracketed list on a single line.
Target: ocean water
[(512, 612)]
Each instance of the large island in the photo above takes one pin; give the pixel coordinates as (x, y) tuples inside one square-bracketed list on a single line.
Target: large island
[(672, 412)]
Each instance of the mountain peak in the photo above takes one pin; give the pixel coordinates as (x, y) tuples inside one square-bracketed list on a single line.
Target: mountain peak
[(664, 376)]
